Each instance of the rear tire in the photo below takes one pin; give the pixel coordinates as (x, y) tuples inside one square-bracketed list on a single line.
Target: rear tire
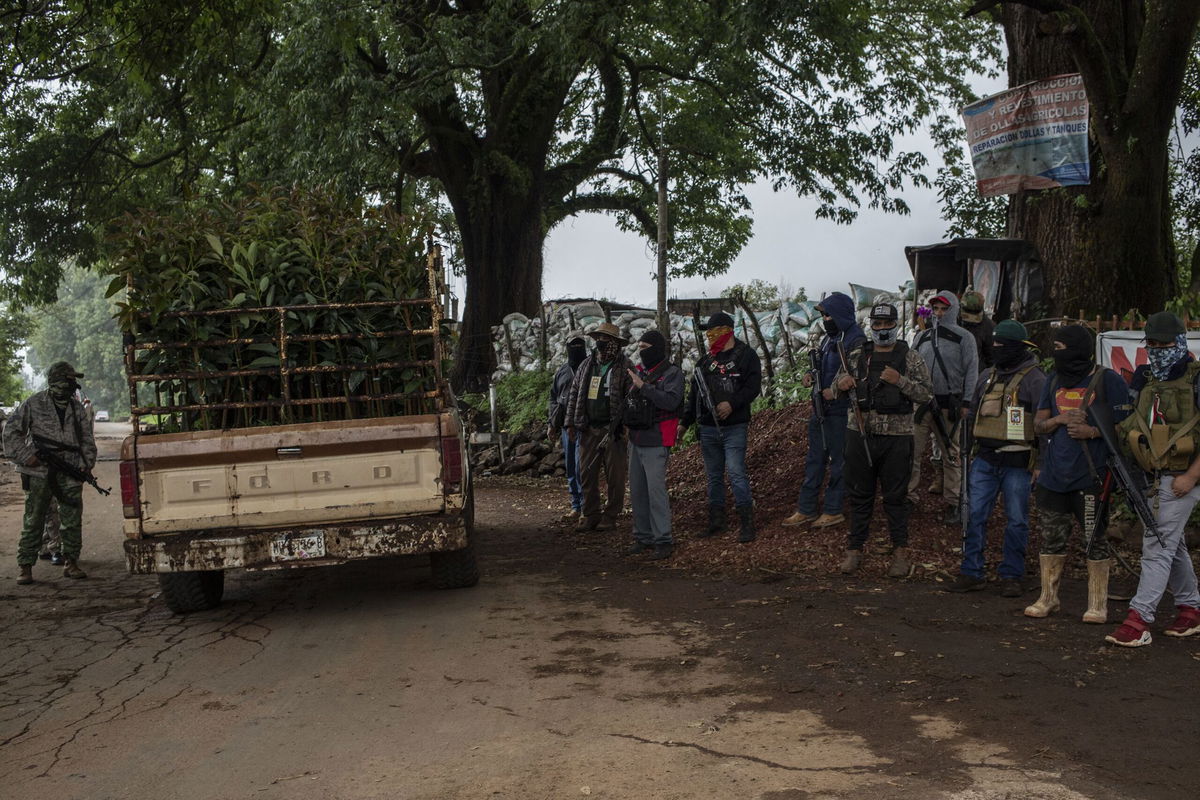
[(458, 569), (185, 592)]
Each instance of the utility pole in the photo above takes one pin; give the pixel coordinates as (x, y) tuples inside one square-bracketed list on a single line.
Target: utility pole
[(664, 319)]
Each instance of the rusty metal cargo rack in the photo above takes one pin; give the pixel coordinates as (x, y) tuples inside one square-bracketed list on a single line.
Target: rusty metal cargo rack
[(306, 385)]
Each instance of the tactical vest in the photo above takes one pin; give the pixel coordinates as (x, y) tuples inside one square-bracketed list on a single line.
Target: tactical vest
[(1169, 442), (878, 395), (992, 416)]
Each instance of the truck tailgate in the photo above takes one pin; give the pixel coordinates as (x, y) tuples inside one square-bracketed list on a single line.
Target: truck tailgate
[(288, 475)]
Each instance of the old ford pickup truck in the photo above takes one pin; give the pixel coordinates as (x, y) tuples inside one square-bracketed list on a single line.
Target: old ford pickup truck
[(211, 484)]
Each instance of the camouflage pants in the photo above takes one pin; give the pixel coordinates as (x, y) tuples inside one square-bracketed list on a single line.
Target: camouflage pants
[(1056, 524), (37, 502), (52, 535)]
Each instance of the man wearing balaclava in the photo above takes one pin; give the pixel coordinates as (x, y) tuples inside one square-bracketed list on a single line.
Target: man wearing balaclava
[(886, 380), (560, 391), (949, 353), (58, 421), (1004, 405), (594, 409), (827, 425), (652, 419), (1070, 478), (975, 320), (724, 384), (1163, 437)]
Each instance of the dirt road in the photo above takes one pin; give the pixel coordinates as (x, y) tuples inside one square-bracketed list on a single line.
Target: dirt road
[(568, 672)]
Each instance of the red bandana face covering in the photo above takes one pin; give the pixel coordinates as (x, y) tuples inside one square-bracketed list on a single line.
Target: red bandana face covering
[(717, 339)]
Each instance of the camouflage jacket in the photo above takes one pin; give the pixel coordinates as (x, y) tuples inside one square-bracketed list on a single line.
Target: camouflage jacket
[(916, 384), (37, 415)]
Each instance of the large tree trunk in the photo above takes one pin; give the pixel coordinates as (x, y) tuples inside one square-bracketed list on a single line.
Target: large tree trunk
[(502, 241), (1107, 247)]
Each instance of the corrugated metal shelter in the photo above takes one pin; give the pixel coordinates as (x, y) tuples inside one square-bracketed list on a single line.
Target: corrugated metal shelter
[(1007, 272)]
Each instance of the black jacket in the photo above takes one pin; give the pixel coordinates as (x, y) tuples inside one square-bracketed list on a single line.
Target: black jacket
[(734, 376)]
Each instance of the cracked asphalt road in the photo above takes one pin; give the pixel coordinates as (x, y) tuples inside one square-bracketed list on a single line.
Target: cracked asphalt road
[(568, 672)]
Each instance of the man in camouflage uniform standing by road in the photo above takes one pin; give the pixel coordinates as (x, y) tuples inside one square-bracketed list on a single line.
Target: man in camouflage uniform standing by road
[(51, 419)]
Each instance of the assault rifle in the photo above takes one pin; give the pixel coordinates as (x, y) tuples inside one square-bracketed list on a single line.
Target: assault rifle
[(1132, 482), (47, 452), (706, 398), (818, 401), (859, 419), (1100, 521)]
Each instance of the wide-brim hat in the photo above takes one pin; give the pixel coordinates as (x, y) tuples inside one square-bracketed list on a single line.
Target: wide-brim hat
[(608, 329)]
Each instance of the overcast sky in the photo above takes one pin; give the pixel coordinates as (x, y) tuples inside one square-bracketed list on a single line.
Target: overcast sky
[(588, 257)]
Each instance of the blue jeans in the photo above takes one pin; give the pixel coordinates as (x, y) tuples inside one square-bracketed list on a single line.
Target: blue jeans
[(826, 448), (571, 451), (725, 452), (986, 482)]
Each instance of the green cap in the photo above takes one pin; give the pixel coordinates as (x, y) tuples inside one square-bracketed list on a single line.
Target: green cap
[(61, 370), (1012, 330), (1164, 327)]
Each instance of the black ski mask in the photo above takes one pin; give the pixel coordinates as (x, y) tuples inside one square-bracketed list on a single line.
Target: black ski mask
[(1075, 360), (653, 355), (831, 326), (576, 352), (1008, 352)]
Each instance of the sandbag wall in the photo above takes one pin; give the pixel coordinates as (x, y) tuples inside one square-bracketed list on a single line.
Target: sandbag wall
[(522, 343)]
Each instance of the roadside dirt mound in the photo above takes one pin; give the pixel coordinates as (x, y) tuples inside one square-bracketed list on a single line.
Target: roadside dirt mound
[(775, 460)]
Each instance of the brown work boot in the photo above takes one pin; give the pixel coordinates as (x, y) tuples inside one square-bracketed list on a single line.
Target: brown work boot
[(798, 519), (72, 570), (829, 520), (851, 562), (900, 566), (26, 576), (587, 523)]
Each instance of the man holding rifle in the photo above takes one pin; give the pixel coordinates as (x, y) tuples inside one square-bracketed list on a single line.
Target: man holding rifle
[(724, 384), (827, 426), (884, 380), (49, 436), (1163, 435), (1005, 402), (949, 354), (1070, 482)]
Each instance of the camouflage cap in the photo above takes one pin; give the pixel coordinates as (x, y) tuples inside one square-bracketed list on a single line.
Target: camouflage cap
[(61, 370), (972, 301)]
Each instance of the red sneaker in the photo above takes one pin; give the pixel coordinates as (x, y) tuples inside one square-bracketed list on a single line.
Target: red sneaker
[(1187, 623), (1130, 633)]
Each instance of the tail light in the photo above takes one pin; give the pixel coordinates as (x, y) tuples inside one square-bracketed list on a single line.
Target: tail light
[(452, 463), (129, 490)]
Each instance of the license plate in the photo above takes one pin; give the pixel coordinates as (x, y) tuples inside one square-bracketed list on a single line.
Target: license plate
[(297, 548)]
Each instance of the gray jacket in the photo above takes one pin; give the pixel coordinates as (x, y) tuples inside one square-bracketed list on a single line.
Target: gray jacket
[(948, 349), (37, 415), (560, 391)]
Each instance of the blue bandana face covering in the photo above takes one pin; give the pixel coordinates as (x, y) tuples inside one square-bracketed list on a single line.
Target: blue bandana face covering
[(1163, 358)]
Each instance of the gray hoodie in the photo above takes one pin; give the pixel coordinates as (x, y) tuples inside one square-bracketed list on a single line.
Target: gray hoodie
[(950, 353)]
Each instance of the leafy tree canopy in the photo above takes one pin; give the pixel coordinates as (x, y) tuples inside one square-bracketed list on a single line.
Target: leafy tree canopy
[(81, 328), (518, 113)]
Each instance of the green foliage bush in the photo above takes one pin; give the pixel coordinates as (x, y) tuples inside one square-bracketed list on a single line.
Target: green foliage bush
[(267, 249), (521, 400)]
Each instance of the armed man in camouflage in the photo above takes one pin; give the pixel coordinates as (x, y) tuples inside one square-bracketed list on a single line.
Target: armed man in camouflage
[(51, 420), (885, 380)]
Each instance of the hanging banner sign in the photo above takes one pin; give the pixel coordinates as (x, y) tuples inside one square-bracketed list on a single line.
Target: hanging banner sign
[(1034, 136)]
